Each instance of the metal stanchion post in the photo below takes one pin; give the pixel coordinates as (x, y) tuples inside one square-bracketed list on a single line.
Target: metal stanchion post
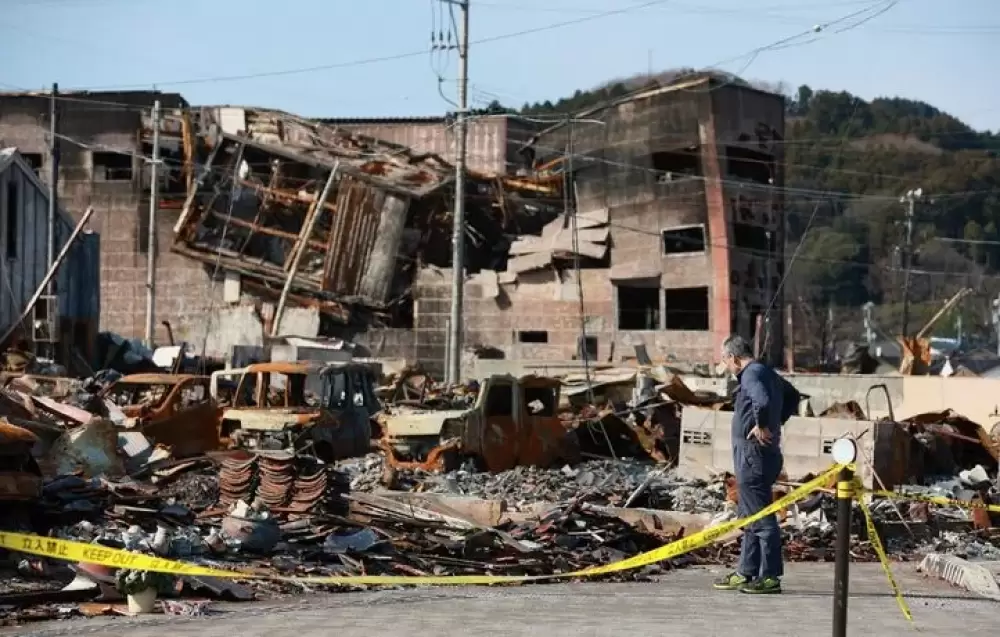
[(845, 452)]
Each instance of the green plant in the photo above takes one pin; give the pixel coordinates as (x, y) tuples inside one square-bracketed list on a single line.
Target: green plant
[(130, 582)]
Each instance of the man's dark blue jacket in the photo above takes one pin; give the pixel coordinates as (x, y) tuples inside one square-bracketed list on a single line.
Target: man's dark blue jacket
[(763, 399)]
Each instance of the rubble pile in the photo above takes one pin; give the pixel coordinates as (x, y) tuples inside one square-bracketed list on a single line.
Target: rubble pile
[(463, 482), (605, 482)]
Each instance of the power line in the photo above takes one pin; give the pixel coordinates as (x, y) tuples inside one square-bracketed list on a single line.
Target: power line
[(392, 57)]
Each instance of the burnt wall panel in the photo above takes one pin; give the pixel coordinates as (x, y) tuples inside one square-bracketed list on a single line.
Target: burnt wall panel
[(750, 129)]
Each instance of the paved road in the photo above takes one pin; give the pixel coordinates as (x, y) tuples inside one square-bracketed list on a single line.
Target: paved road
[(682, 604)]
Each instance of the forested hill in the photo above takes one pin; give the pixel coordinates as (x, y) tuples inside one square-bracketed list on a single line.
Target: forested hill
[(856, 158)]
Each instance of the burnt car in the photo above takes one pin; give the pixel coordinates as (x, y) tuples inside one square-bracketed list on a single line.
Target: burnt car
[(320, 409), (174, 410)]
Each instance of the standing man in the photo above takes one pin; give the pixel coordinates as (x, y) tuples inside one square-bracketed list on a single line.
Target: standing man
[(758, 413)]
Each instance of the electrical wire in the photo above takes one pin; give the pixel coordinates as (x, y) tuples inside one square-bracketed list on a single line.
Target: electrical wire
[(384, 58)]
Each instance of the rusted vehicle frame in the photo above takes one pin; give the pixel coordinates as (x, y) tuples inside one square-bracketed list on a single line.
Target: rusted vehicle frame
[(338, 427), (188, 430)]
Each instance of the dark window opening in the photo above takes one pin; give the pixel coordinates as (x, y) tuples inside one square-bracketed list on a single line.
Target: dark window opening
[(751, 165), (638, 308), (13, 203), (533, 336), (750, 237), (687, 309), (34, 160), (586, 346), (685, 162), (539, 401), (112, 166), (684, 240), (499, 401)]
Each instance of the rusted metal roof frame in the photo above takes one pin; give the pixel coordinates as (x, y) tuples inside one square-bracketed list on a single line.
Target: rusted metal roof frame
[(345, 166)]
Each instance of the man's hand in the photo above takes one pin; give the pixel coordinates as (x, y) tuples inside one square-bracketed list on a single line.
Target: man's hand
[(762, 436)]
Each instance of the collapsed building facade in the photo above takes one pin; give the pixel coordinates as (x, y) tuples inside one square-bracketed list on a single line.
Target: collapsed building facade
[(679, 229), (257, 205)]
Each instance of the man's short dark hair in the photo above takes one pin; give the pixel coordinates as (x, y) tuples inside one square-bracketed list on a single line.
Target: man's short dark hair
[(737, 346)]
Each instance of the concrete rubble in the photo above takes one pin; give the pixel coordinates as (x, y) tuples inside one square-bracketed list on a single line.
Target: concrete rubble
[(93, 460)]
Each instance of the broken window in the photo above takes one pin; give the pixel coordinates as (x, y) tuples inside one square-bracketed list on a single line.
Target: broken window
[(13, 202), (34, 160), (751, 165), (686, 309), (539, 401), (112, 166), (533, 336), (750, 237), (638, 308), (684, 162), (499, 400), (684, 240)]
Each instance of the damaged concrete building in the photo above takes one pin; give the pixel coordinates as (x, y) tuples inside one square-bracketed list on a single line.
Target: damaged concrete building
[(680, 224), (355, 217), (101, 165)]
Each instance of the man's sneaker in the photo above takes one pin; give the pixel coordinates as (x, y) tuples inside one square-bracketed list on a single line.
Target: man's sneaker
[(762, 586), (730, 582)]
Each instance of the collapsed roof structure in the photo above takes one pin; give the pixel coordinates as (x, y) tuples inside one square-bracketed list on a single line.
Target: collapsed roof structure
[(263, 186)]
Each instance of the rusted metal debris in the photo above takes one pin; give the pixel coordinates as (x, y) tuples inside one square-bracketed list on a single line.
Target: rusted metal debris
[(253, 204)]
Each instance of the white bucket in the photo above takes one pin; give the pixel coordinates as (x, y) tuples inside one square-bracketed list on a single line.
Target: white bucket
[(143, 602)]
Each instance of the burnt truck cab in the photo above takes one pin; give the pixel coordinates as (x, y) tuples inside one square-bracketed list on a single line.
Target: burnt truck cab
[(175, 410), (514, 422), (322, 410)]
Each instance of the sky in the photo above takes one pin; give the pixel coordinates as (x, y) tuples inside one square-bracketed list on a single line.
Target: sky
[(370, 58)]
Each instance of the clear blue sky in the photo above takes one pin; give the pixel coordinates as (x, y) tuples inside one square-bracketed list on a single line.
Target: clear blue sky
[(942, 51)]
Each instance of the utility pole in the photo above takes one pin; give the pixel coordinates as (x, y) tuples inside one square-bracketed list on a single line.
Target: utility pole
[(50, 247), (154, 204), (910, 198), (453, 368)]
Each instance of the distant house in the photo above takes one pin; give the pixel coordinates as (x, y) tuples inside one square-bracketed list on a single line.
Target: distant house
[(72, 321)]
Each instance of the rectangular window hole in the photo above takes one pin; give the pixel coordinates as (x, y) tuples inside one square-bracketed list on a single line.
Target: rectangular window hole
[(700, 438), (751, 165), (533, 336), (754, 238), (112, 166), (683, 240), (684, 162), (34, 160), (638, 308), (687, 309)]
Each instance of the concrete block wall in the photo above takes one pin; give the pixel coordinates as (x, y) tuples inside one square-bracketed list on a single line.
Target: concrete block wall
[(540, 302), (183, 288)]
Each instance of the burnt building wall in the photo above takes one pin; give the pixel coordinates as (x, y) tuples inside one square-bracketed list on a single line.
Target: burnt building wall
[(750, 128), (117, 186), (677, 169), (493, 140)]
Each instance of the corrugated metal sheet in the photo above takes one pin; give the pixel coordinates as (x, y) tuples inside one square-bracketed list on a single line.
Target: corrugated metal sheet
[(23, 228)]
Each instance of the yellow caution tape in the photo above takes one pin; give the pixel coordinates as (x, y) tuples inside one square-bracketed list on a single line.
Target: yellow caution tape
[(933, 499), (73, 551), (883, 559), (845, 490)]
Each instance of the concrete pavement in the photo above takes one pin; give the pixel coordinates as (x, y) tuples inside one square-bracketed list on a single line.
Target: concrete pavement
[(681, 604)]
